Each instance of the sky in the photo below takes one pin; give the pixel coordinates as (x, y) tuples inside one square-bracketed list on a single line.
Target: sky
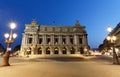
[(96, 15)]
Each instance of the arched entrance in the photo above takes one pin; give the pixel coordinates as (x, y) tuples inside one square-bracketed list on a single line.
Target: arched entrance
[(48, 50), (81, 51), (56, 50), (28, 51), (64, 50), (72, 51), (40, 50)]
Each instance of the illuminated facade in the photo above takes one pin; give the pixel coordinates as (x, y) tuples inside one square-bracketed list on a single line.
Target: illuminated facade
[(106, 44), (53, 40)]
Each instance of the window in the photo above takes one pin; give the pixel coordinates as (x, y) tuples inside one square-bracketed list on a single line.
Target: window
[(29, 40), (40, 40), (72, 50), (48, 40), (56, 40), (71, 40), (64, 40), (80, 41), (39, 50), (48, 50)]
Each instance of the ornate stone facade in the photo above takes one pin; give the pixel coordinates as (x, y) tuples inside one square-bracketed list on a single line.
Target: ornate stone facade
[(53, 40)]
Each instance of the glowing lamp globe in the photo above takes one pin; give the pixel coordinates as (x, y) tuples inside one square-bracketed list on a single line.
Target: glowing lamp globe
[(114, 38), (12, 25), (108, 38), (109, 29), (14, 35), (6, 35)]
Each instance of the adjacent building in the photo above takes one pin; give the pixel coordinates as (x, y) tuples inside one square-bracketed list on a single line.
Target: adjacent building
[(53, 40), (107, 46)]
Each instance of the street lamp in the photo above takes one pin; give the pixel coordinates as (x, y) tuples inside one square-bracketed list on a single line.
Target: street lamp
[(9, 39), (112, 40), (109, 28)]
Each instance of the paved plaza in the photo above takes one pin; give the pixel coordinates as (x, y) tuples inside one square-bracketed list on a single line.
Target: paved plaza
[(100, 66)]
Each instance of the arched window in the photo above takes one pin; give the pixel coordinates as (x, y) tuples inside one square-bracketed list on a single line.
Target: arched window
[(56, 51), (64, 50), (40, 50), (72, 51), (30, 40), (47, 50)]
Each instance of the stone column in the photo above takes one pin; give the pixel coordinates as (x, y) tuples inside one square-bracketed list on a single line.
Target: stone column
[(60, 40), (68, 50), (33, 39), (23, 42), (36, 39), (52, 39), (33, 42), (43, 50), (26, 38), (44, 39), (68, 40), (76, 50), (75, 39), (85, 40), (35, 49), (60, 50), (32, 51), (23, 38), (51, 50)]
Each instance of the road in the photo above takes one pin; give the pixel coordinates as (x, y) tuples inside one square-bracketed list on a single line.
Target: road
[(100, 66)]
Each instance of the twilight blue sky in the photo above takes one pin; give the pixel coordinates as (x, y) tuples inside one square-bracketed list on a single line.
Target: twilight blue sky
[(96, 15)]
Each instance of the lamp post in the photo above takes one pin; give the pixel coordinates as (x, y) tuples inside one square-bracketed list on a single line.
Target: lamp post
[(9, 39), (112, 40)]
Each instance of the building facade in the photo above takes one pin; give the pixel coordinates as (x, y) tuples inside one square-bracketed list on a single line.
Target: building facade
[(107, 46), (53, 40)]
